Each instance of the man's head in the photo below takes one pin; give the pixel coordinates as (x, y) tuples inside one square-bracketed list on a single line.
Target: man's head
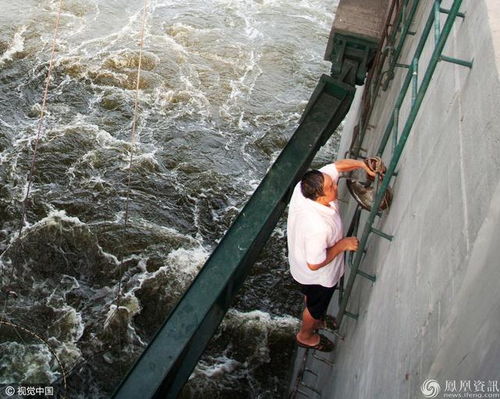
[(318, 187)]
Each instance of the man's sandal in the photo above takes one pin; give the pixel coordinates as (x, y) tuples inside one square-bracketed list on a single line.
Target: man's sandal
[(330, 323), (324, 344)]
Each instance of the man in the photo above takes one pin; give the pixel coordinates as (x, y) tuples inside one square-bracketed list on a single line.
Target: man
[(316, 245)]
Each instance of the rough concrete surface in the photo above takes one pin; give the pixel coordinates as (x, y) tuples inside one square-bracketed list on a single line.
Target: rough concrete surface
[(434, 311), (361, 17), (358, 18)]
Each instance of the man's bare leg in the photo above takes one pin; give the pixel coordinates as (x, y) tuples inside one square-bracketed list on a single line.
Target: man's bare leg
[(307, 334)]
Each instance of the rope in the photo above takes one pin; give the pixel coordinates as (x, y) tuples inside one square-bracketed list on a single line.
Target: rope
[(25, 202), (136, 107), (133, 143), (132, 140), (41, 119), (31, 174), (40, 127), (376, 165)]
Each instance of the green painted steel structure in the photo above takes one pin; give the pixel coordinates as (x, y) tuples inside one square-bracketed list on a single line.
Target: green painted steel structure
[(356, 50), (418, 94), (168, 361)]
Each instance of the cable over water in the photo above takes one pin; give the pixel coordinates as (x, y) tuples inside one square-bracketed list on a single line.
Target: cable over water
[(222, 86), (41, 119), (136, 111), (133, 140), (4, 322)]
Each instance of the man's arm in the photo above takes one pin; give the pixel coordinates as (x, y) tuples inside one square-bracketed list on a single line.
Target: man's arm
[(346, 165), (345, 244)]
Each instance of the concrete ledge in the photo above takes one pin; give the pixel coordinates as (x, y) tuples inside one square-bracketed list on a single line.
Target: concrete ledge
[(359, 18), (364, 18)]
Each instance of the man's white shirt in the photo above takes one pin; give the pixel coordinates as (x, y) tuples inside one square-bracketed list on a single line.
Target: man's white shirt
[(311, 229)]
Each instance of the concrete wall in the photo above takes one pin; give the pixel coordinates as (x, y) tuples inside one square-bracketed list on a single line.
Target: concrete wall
[(434, 311), (362, 18)]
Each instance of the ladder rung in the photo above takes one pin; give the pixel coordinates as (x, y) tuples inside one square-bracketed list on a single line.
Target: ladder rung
[(457, 61), (322, 359), (367, 276), (381, 234), (351, 315), (446, 11), (310, 388), (308, 370)]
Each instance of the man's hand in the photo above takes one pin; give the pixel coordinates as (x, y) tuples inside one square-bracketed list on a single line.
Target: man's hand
[(350, 243), (368, 171), (345, 244), (375, 165), (346, 165)]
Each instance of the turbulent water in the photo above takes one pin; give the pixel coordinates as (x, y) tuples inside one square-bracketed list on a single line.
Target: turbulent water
[(222, 87)]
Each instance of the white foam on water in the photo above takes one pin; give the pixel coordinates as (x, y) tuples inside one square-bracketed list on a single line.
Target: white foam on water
[(166, 231), (253, 184), (262, 319), (70, 283), (97, 45), (72, 321), (188, 261), (254, 331), (203, 71), (55, 217), (6, 124), (28, 363), (68, 353), (146, 159), (96, 179), (121, 316), (220, 365), (129, 302), (17, 45)]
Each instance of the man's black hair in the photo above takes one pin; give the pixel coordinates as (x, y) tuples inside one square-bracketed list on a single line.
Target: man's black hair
[(311, 184)]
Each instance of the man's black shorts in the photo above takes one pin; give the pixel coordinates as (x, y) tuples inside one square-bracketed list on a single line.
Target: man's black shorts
[(317, 299)]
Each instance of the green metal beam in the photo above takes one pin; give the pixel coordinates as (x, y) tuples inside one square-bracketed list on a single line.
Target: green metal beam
[(168, 361), (354, 49)]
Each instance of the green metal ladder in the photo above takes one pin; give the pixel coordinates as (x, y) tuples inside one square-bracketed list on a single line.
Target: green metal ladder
[(169, 359), (402, 26)]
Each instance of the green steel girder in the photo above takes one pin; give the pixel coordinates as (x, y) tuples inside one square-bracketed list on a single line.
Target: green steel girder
[(169, 359), (355, 50)]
